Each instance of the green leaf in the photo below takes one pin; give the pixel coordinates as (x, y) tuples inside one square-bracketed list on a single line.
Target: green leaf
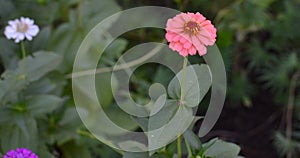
[(21, 132), (94, 11), (69, 124), (163, 75), (68, 2), (106, 84), (113, 51), (29, 70), (5, 114), (192, 139), (168, 123), (42, 86), (221, 149), (197, 83), (120, 118), (41, 40), (143, 155), (263, 3), (12, 138), (135, 155), (9, 57), (130, 145), (43, 152), (159, 156), (163, 116), (33, 68), (142, 122), (227, 38), (74, 150), (104, 151), (6, 9), (65, 41), (42, 14), (41, 104), (70, 116)]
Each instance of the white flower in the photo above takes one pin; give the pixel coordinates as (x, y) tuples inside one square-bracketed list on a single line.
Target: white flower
[(22, 28)]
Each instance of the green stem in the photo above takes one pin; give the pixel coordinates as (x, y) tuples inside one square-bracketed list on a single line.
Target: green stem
[(179, 153), (23, 50), (182, 81), (190, 154)]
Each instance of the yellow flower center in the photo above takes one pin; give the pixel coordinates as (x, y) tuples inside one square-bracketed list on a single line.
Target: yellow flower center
[(22, 27), (192, 27)]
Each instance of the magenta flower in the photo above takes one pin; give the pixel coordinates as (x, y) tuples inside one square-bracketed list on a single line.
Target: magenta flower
[(189, 33), (20, 153)]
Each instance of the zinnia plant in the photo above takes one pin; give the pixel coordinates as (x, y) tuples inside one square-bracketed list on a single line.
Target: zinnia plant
[(189, 33)]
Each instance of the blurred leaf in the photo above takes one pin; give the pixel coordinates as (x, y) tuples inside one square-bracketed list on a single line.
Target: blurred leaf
[(67, 37), (65, 41), (106, 85), (263, 3), (28, 70), (135, 155), (226, 36), (6, 8), (159, 156), (94, 11), (222, 149), (41, 40), (68, 2), (33, 68), (9, 55), (21, 132), (277, 77), (70, 116), (73, 150), (113, 51), (131, 145), (43, 152), (283, 145), (120, 118), (258, 57), (42, 86), (40, 104), (243, 17), (240, 88), (5, 114), (163, 75), (104, 151), (42, 14)]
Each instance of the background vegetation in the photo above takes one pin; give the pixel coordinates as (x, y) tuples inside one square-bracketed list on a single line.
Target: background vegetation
[(259, 41)]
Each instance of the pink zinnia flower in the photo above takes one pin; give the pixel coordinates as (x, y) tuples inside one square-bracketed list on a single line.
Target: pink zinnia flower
[(189, 33)]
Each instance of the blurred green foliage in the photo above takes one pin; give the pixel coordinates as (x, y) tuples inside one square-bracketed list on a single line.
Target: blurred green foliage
[(259, 41)]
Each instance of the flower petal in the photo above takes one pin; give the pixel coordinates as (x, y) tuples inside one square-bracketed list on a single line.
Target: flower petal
[(28, 36), (202, 50), (33, 30)]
